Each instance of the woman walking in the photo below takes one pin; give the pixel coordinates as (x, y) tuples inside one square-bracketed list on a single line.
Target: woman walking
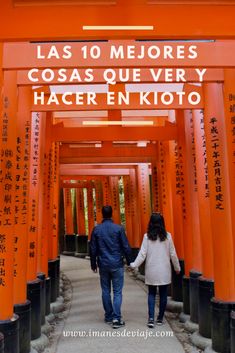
[(158, 250)]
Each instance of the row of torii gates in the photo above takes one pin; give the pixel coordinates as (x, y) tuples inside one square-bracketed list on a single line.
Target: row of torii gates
[(189, 153), (103, 188)]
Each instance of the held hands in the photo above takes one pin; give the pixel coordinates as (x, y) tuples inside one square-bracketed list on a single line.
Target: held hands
[(129, 269)]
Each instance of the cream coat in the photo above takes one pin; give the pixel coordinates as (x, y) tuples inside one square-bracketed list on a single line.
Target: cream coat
[(158, 255)]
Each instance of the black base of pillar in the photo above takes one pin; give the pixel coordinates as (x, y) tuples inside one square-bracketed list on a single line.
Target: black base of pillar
[(48, 296), (232, 331), (52, 272), (34, 289), (10, 330), (193, 293), (70, 244), (24, 313), (186, 296), (81, 246), (220, 328), (42, 277), (205, 294), (176, 284), (58, 277), (1, 343)]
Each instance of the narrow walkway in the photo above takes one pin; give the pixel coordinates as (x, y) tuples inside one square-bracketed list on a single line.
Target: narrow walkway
[(86, 315)]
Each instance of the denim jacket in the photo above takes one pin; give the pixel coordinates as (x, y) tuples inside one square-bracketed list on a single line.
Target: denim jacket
[(109, 245)]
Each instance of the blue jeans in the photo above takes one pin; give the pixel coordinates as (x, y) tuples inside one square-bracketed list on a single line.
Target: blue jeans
[(162, 302), (116, 278)]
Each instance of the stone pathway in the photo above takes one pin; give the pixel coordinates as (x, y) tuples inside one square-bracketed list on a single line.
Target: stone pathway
[(84, 330)]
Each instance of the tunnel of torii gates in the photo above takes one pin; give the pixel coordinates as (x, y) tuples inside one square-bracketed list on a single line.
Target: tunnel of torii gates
[(183, 166)]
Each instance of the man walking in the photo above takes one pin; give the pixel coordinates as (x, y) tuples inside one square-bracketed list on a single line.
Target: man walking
[(108, 246)]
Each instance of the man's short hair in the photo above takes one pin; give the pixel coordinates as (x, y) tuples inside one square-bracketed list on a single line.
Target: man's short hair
[(107, 211)]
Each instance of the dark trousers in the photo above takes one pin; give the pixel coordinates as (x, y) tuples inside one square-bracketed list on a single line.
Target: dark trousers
[(114, 278), (162, 301)]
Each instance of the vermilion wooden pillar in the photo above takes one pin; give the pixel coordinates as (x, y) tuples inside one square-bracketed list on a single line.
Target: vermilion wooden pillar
[(114, 189), (187, 227), (106, 191), (34, 285), (55, 202), (21, 210), (53, 234), (175, 177), (1, 71), (99, 201), (7, 193), (50, 195), (177, 218), (220, 209), (46, 221), (68, 211), (135, 211), (206, 283), (33, 198), (218, 175), (23, 307), (143, 187), (144, 195), (82, 237), (42, 238), (90, 205), (80, 211), (193, 185), (128, 210), (49, 265), (203, 194), (186, 209), (8, 239), (155, 186), (229, 108), (70, 237), (164, 171), (196, 270), (229, 105)]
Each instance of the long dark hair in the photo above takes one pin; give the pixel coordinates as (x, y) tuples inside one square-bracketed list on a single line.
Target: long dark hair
[(156, 227)]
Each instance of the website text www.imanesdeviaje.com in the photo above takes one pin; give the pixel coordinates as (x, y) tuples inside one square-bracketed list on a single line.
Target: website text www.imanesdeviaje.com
[(145, 334)]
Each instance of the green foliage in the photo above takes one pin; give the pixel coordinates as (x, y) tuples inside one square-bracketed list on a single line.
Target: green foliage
[(122, 201), (85, 209), (74, 210)]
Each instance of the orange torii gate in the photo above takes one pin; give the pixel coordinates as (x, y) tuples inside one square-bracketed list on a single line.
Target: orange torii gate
[(111, 154), (78, 185), (115, 133), (73, 173), (47, 25), (131, 202)]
